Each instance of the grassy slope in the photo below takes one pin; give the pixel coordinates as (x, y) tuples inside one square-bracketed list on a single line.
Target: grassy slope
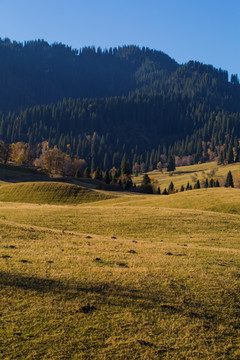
[(148, 304), (17, 172), (224, 200), (183, 174), (49, 193)]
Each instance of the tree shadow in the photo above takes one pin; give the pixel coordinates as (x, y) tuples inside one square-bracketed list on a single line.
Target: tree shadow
[(122, 294)]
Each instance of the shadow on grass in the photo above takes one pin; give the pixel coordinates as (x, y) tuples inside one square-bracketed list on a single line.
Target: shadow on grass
[(121, 294)]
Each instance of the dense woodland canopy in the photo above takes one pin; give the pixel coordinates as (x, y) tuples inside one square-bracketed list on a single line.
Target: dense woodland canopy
[(126, 102)]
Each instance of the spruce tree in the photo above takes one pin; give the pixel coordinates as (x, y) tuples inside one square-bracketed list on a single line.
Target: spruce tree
[(221, 158), (106, 177), (77, 174), (217, 183), (188, 186), (171, 188), (171, 163), (125, 170), (98, 174), (229, 180), (146, 180), (237, 158), (182, 188), (206, 183), (197, 185), (87, 173), (230, 155), (211, 184), (165, 192)]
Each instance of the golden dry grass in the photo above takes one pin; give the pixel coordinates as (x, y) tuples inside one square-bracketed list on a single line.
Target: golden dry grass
[(184, 174), (126, 278)]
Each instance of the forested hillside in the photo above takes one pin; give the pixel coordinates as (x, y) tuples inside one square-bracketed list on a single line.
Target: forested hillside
[(103, 105)]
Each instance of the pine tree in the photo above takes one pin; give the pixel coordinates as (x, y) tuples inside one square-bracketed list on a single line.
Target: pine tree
[(217, 183), (158, 191), (188, 186), (171, 163), (197, 185), (230, 156), (98, 174), (182, 188), (106, 177), (229, 180), (87, 173), (165, 192), (171, 188), (125, 170), (221, 158), (206, 183), (77, 174), (146, 180), (211, 184), (237, 158)]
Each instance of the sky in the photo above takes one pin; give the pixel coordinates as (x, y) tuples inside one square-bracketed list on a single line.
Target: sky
[(203, 30)]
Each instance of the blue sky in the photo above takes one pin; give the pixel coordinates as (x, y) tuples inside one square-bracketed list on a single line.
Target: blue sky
[(203, 30)]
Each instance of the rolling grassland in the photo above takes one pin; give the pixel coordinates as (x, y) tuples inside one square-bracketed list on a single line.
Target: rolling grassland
[(184, 174), (128, 277)]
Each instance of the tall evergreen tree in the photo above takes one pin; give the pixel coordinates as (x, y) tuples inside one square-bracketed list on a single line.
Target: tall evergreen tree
[(229, 180), (171, 163), (171, 188), (230, 156)]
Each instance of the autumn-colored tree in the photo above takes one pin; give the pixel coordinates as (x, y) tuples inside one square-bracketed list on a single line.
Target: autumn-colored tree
[(53, 161), (21, 152)]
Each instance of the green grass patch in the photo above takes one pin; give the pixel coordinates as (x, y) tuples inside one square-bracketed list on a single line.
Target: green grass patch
[(49, 193)]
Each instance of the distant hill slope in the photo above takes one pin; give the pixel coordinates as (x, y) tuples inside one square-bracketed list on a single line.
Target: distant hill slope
[(37, 73), (49, 193), (125, 101)]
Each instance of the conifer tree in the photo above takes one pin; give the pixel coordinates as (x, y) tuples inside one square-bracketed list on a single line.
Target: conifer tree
[(211, 184), (125, 170), (188, 186), (182, 188), (229, 180), (106, 177), (171, 188), (197, 185), (230, 156), (77, 174), (87, 173), (98, 174), (221, 158), (165, 192), (146, 180), (171, 163), (206, 183), (217, 183)]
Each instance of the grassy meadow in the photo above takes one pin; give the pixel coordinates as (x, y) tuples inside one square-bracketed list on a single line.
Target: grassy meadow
[(184, 174), (119, 275)]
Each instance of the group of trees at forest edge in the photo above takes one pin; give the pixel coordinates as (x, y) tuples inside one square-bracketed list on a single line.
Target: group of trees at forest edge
[(56, 162)]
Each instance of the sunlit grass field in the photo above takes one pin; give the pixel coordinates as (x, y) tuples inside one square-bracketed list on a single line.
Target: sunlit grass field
[(184, 174), (128, 277), (49, 193)]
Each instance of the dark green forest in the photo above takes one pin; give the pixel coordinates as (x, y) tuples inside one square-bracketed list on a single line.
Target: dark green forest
[(126, 102)]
